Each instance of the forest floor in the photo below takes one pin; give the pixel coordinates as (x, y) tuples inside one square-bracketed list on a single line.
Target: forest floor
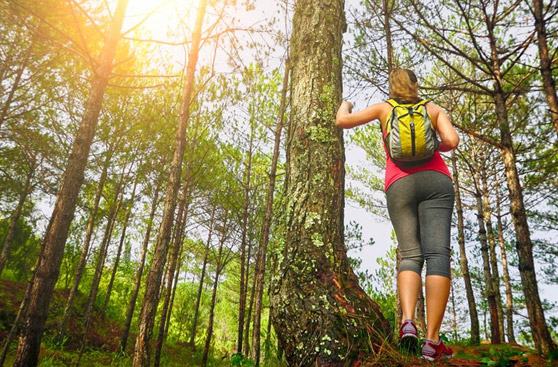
[(103, 338), (503, 355)]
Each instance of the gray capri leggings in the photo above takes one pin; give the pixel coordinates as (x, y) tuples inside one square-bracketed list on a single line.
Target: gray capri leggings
[(420, 207)]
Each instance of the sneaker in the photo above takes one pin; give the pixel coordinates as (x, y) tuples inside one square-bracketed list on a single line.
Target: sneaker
[(432, 351), (408, 336)]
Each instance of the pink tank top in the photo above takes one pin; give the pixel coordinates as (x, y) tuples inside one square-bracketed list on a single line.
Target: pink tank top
[(395, 172)]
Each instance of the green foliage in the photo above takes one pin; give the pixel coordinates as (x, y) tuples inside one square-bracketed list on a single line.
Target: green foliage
[(238, 360)]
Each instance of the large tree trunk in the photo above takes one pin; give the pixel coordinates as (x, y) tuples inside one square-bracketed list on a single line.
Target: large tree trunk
[(192, 341), (121, 242), (259, 273), (463, 261), (153, 283), (243, 277), (549, 83), (321, 314), (494, 271), (139, 272), (16, 215), (495, 336), (57, 231), (86, 243)]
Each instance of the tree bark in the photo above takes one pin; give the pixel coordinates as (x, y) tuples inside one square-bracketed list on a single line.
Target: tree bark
[(386, 10), (153, 283), (192, 341), (57, 232), (86, 243), (243, 280), (121, 243), (139, 272), (495, 336), (506, 275), (259, 273), (463, 261), (16, 215), (549, 83), (322, 315)]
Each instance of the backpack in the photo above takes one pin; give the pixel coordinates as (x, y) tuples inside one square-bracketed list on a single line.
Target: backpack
[(410, 137)]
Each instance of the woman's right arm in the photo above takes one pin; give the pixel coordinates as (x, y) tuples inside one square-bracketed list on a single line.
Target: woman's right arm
[(346, 119), (449, 139)]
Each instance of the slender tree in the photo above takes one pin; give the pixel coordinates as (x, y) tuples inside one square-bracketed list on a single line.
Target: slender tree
[(139, 272), (57, 232), (490, 294), (259, 273), (151, 298), (221, 262), (506, 274), (90, 226), (122, 239), (192, 341), (463, 261), (245, 213)]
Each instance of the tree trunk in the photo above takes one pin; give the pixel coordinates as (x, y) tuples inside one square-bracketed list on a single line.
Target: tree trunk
[(506, 275), (121, 243), (454, 324), (139, 272), (9, 239), (57, 231), (541, 335), (173, 265), (259, 273), (153, 283), (86, 244), (243, 280), (495, 336), (487, 215), (322, 315), (192, 341), (386, 10), (218, 270), (463, 261), (549, 83)]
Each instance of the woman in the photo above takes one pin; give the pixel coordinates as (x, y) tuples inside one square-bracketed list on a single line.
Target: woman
[(420, 204)]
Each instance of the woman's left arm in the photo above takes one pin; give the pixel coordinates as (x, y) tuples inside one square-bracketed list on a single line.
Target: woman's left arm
[(346, 119)]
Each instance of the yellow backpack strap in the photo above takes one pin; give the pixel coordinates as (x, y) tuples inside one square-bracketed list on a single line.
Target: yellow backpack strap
[(392, 102), (422, 103)]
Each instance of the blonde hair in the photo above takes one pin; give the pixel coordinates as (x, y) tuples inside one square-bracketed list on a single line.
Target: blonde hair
[(403, 85)]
